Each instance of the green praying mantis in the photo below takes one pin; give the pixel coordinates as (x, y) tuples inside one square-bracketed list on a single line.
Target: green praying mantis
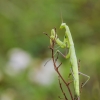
[(68, 43)]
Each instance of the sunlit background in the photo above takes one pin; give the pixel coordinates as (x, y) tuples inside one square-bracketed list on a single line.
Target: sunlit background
[(24, 48)]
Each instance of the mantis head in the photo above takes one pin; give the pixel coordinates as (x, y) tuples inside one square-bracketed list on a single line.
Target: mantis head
[(63, 25)]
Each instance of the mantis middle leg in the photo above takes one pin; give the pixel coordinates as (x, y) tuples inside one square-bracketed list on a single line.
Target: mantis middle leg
[(65, 56)]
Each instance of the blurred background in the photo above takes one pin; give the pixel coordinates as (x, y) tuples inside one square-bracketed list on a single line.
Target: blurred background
[(24, 48)]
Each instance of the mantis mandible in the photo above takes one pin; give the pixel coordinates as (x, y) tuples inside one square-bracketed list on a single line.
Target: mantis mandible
[(68, 43)]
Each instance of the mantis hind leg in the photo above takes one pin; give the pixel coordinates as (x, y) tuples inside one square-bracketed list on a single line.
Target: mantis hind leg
[(83, 75), (86, 80)]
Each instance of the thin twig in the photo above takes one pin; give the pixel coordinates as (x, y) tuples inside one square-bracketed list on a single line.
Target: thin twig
[(62, 89), (46, 34), (60, 98), (56, 57), (78, 64)]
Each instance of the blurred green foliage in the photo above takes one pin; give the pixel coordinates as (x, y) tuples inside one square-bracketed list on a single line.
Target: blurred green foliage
[(22, 23)]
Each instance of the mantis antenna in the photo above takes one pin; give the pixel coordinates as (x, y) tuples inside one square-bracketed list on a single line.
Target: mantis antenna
[(61, 15)]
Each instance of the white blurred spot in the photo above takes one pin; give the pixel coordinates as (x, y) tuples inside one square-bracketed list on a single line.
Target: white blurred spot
[(9, 94), (43, 75), (18, 61)]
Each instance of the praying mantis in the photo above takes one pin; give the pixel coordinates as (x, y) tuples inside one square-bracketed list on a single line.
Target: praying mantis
[(68, 43)]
